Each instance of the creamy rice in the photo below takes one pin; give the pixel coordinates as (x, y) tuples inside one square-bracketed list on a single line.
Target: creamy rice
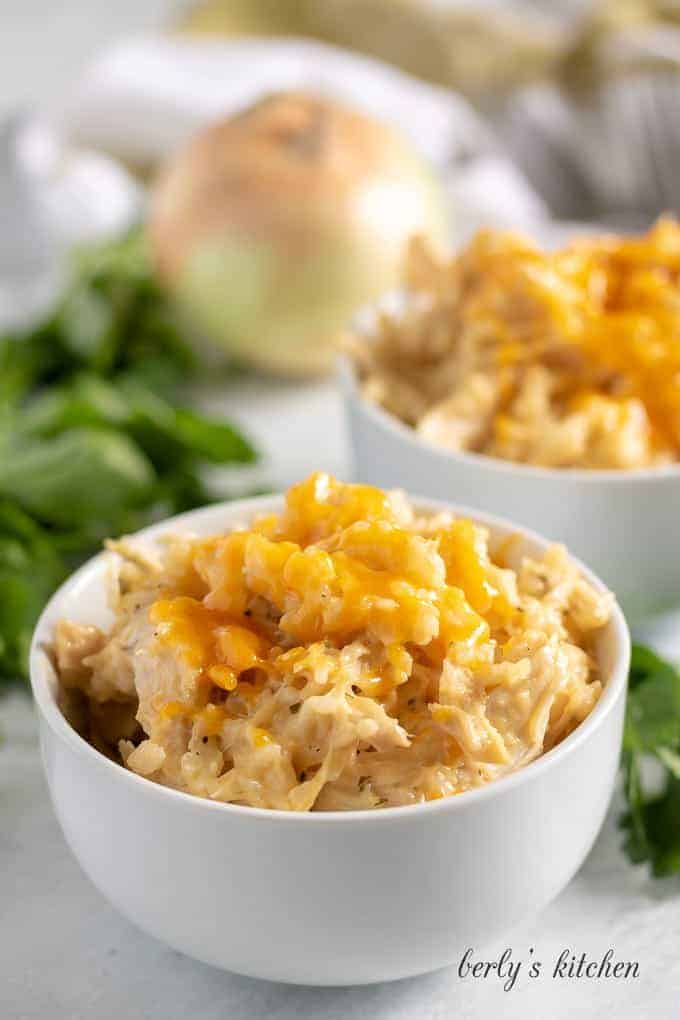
[(346, 653), (560, 359)]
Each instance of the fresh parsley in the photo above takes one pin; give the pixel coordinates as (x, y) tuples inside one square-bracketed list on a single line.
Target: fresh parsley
[(94, 437), (651, 763)]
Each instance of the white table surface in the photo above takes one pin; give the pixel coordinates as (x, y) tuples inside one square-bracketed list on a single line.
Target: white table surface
[(65, 954)]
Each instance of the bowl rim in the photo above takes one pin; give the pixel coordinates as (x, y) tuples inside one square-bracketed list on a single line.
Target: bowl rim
[(388, 422), (44, 690)]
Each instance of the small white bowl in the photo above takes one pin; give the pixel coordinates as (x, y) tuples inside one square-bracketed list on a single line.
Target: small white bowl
[(624, 524), (331, 898)]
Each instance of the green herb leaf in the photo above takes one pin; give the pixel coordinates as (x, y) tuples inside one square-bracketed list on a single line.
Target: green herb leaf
[(30, 569), (671, 759), (79, 475), (652, 731), (215, 441), (93, 438), (653, 716)]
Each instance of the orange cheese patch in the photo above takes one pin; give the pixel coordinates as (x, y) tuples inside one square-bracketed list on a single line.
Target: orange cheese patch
[(208, 639), (335, 564)]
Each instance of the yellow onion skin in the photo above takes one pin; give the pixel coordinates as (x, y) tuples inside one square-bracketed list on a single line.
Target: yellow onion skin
[(272, 227)]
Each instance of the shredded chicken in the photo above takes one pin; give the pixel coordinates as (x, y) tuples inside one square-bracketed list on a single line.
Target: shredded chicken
[(344, 654), (559, 359)]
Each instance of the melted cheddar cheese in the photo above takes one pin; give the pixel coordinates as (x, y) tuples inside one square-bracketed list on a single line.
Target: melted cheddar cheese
[(567, 358)]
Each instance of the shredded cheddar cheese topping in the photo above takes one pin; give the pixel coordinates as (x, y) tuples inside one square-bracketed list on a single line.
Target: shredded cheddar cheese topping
[(360, 570), (346, 652), (567, 358)]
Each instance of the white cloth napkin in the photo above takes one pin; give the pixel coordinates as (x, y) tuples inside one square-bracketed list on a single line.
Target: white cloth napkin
[(145, 97), (51, 197)]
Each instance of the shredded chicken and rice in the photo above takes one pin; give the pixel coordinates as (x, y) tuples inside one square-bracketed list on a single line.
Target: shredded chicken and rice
[(346, 653), (559, 359)]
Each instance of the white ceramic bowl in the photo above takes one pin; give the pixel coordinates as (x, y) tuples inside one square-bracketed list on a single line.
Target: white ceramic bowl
[(330, 898), (624, 524)]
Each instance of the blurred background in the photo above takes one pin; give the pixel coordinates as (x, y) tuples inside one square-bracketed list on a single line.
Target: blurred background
[(195, 198)]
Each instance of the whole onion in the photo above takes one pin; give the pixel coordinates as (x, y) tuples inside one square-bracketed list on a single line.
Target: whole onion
[(274, 225)]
